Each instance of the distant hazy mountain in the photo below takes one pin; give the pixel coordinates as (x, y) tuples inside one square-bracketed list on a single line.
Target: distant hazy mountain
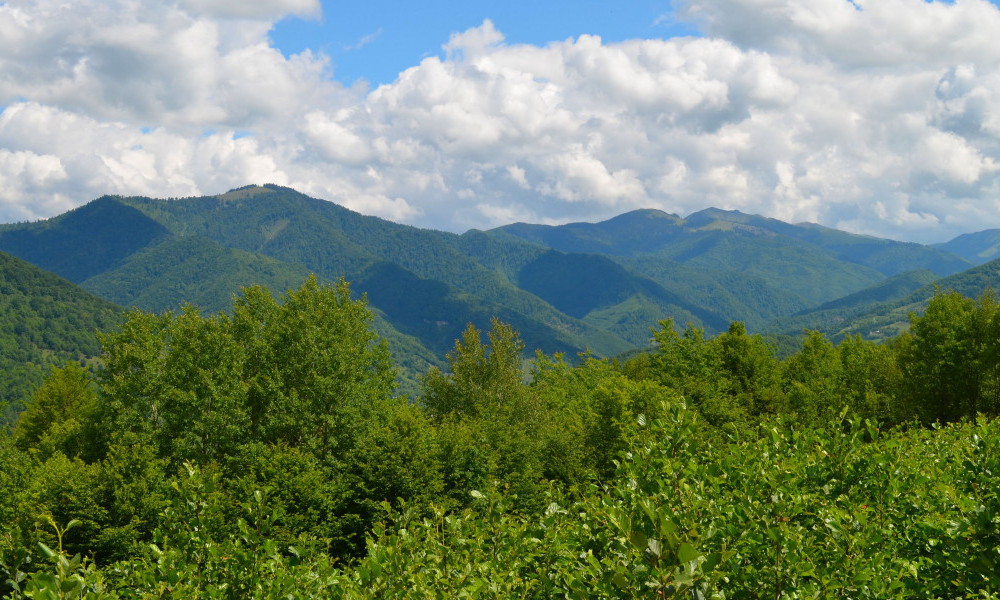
[(645, 232), (893, 288), (864, 314), (633, 233), (888, 257), (771, 268), (977, 248)]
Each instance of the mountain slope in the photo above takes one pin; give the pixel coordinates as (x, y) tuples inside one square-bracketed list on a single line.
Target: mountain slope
[(888, 257), (881, 320), (83, 242), (745, 267), (977, 248), (808, 272), (737, 296), (629, 234), (894, 288), (201, 250), (570, 288), (333, 242), (44, 320), (191, 268), (648, 231)]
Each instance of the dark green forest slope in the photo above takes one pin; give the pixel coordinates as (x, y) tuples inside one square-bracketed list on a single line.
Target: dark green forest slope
[(271, 235), (191, 268), (333, 242), (44, 321)]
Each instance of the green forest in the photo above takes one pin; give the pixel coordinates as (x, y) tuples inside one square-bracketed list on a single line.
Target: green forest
[(264, 452)]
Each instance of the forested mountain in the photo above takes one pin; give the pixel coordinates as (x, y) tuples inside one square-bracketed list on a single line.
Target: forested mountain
[(44, 321), (192, 268), (977, 248), (893, 288), (332, 242), (581, 286), (883, 311), (774, 268), (427, 284), (645, 232), (888, 257), (83, 242)]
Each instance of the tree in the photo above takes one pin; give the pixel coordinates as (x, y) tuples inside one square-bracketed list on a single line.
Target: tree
[(871, 380), (687, 363), (314, 365), (484, 381), (750, 368), (303, 372), (683, 359), (483, 402), (591, 412), (59, 407), (813, 380), (729, 378), (950, 357)]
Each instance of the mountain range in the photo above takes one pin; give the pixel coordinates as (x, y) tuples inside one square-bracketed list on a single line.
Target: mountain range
[(595, 287)]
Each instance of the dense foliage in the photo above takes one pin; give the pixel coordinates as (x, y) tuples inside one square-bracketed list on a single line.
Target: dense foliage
[(44, 321), (262, 453)]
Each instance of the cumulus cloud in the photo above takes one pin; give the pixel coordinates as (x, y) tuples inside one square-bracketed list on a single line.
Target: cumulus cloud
[(148, 62), (856, 33), (256, 9), (881, 117)]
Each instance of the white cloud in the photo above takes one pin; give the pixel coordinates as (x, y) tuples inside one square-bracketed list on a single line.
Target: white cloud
[(474, 41), (253, 9), (153, 63), (883, 118), (856, 33)]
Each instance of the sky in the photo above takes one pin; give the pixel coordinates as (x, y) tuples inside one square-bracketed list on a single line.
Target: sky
[(873, 116)]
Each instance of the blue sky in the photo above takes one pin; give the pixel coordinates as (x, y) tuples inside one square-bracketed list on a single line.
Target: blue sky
[(375, 40), (874, 116)]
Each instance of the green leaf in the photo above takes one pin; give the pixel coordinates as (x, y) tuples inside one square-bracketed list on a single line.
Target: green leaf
[(687, 553), (711, 561), (46, 550), (655, 547), (620, 580), (638, 539)]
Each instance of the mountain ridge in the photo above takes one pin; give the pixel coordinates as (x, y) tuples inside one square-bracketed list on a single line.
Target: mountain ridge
[(579, 287)]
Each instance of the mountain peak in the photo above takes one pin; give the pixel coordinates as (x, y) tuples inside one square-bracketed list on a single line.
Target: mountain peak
[(712, 214), (247, 191), (647, 220), (720, 212)]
